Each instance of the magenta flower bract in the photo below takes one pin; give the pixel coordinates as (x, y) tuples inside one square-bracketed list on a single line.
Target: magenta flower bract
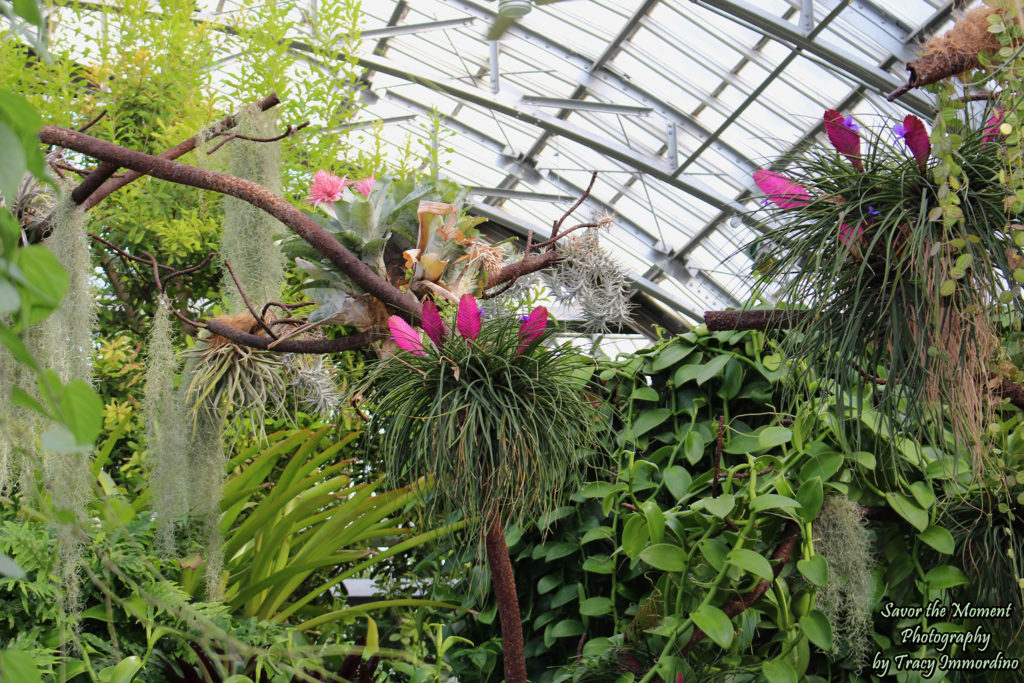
[(991, 129), (468, 318), (405, 336), (842, 134), (847, 235), (533, 326), (432, 323), (781, 190), (916, 136), (326, 188), (364, 186)]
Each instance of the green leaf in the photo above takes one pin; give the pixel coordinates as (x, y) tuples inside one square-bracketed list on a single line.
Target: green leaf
[(823, 465), (548, 583), (600, 564), (372, 638), (655, 520), (644, 394), (719, 507), (596, 533), (817, 629), (815, 570), (649, 419), (938, 538), (10, 301), (908, 510), (592, 607), (57, 439), (732, 381), (600, 489), (712, 368), (945, 576), (123, 672), (671, 355), (665, 556), (770, 437), (715, 623), (752, 562), (82, 411), (778, 671), (772, 501), (29, 11), (947, 287), (8, 567), (634, 535), (13, 166), (677, 480), (18, 665), (811, 494), (693, 446), (923, 494), (567, 628)]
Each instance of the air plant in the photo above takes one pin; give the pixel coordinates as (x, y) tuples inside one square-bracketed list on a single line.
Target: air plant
[(497, 414), (899, 290)]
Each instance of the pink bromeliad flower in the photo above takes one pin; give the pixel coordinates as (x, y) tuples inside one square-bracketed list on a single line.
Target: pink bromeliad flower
[(992, 127), (842, 133), (533, 326), (432, 323), (852, 237), (468, 322), (407, 338), (364, 186), (915, 135), (781, 190), (327, 188), (468, 318)]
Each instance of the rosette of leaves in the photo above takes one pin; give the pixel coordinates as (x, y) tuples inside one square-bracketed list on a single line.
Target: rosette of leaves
[(903, 282)]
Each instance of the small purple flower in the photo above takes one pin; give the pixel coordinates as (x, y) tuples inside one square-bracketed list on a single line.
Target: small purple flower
[(873, 213), (523, 318), (850, 124), (900, 131)]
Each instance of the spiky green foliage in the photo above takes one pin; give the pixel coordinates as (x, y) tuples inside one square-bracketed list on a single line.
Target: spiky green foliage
[(166, 431), (844, 539), (914, 299), (248, 241), (507, 434)]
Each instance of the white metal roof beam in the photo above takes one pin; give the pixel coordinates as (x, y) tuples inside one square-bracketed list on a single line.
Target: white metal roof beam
[(783, 31)]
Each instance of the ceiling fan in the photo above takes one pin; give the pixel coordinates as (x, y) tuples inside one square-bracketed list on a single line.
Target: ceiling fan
[(509, 12)]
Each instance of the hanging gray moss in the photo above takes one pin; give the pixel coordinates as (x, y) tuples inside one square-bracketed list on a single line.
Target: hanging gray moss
[(248, 240), (207, 463), (842, 536), (166, 432), (63, 343)]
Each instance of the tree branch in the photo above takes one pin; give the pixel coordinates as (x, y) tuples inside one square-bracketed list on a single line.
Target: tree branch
[(353, 341), (514, 271), (260, 197), (779, 319)]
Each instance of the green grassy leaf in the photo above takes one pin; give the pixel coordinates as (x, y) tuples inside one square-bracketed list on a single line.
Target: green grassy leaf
[(665, 556), (815, 626), (938, 538), (778, 671), (592, 607), (908, 510), (815, 570), (752, 562), (945, 576)]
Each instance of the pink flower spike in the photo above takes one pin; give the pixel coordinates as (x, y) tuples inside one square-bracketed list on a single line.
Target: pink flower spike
[(364, 186), (326, 188), (468, 318), (405, 336), (533, 326), (992, 127), (852, 237), (917, 140), (784, 192), (843, 137), (432, 323)]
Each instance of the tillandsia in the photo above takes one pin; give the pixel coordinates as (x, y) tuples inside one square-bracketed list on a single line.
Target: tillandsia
[(906, 265), (489, 406)]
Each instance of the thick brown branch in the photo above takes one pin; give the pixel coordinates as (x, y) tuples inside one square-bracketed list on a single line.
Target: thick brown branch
[(780, 557), (353, 341), (248, 191), (518, 269), (110, 186), (586, 193), (719, 321), (1013, 391)]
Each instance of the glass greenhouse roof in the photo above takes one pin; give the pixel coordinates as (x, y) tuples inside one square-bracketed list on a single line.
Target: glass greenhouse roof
[(674, 102)]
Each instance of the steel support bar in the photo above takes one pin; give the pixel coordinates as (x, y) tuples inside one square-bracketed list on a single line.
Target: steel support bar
[(588, 105), (405, 29)]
